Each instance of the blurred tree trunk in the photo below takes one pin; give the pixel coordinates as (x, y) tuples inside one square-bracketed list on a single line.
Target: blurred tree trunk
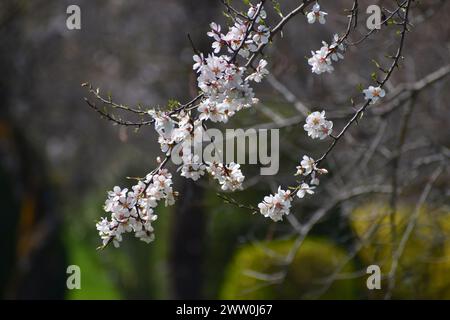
[(187, 248), (34, 261), (187, 244)]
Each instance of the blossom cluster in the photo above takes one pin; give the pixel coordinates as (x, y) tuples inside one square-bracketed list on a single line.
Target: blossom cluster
[(321, 60), (308, 167), (276, 205), (192, 167), (225, 89), (220, 78), (172, 131), (229, 176), (133, 210), (318, 126)]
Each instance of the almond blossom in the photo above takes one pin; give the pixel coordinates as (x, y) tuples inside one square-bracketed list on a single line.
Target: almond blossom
[(253, 10), (317, 126), (262, 35), (260, 72), (316, 14), (225, 90), (172, 131), (199, 61), (304, 189), (192, 168), (321, 60), (336, 45), (308, 165), (373, 94), (133, 211), (275, 206), (229, 176)]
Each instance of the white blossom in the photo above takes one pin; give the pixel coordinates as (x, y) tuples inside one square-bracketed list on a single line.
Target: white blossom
[(225, 90), (317, 126), (133, 211), (192, 168), (260, 72), (229, 176), (252, 11), (277, 205), (235, 35), (209, 110), (199, 60), (314, 180), (103, 226), (320, 61), (316, 14), (304, 189), (374, 93), (308, 165), (171, 131), (262, 35), (215, 31), (334, 47)]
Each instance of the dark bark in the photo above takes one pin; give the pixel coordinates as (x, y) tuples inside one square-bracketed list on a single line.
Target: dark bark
[(187, 244)]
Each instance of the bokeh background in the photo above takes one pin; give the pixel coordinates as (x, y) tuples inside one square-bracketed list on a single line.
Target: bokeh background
[(58, 158)]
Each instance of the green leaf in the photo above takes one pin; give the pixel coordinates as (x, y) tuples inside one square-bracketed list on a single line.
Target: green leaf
[(173, 104), (373, 75), (277, 7), (360, 87)]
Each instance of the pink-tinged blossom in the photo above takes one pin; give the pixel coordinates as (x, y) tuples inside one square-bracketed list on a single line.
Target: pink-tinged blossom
[(192, 167), (260, 72), (321, 60), (134, 211), (229, 176), (316, 15), (318, 126), (373, 94), (275, 206)]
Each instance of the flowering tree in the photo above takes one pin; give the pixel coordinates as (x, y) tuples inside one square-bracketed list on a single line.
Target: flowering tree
[(224, 78)]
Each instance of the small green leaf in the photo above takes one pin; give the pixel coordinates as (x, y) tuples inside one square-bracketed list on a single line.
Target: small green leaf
[(373, 75), (277, 7), (360, 87), (173, 104)]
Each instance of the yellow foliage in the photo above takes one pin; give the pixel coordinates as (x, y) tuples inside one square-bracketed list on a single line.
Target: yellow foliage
[(314, 262), (424, 266)]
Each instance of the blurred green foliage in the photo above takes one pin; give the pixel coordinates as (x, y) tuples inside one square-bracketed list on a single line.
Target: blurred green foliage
[(424, 267), (235, 271), (313, 263), (227, 226), (136, 270)]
